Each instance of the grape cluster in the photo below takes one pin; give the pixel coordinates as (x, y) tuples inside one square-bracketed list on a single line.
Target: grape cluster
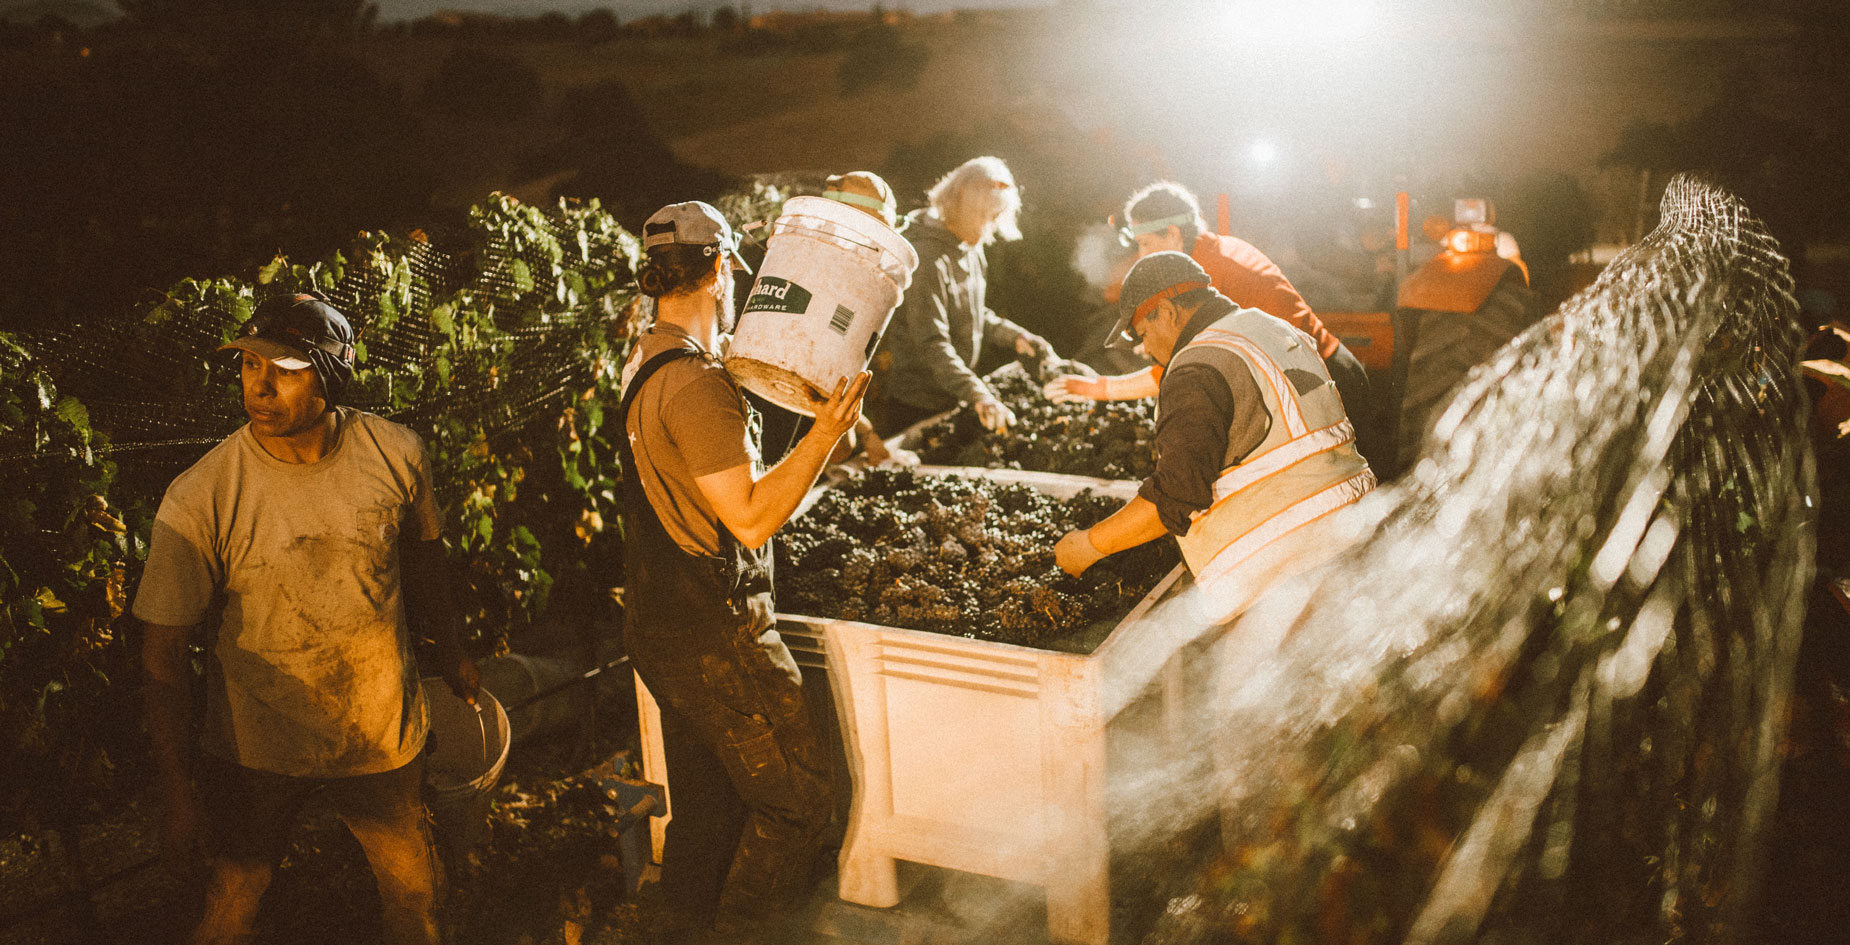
[(1108, 439), (949, 554)]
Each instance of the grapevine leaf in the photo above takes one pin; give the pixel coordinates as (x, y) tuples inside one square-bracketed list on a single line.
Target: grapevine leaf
[(73, 412)]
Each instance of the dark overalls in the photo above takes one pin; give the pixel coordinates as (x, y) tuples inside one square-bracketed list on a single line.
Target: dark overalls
[(749, 784)]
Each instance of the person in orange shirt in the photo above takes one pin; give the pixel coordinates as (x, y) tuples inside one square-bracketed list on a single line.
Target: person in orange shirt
[(1165, 217)]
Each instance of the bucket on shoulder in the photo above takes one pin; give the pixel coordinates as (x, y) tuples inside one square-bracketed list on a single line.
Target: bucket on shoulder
[(831, 278)]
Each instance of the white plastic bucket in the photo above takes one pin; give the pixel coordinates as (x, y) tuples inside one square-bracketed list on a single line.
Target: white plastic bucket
[(831, 278), (467, 749), (518, 677)]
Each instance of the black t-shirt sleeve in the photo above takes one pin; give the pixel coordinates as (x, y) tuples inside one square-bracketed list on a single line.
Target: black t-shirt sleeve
[(1198, 412)]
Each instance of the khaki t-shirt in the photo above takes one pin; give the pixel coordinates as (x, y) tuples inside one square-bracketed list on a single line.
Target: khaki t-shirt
[(311, 671), (689, 421)]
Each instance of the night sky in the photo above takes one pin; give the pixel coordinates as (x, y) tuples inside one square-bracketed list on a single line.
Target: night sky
[(626, 9)]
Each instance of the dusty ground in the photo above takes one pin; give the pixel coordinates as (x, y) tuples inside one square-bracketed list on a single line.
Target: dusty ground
[(550, 875)]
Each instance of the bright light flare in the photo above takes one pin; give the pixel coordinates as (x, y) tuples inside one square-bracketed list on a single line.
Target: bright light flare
[(1302, 22), (1264, 152)]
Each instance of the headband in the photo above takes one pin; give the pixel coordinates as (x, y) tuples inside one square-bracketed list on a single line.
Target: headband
[(858, 200), (1127, 235)]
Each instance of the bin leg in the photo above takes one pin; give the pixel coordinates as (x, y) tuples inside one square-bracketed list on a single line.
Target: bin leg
[(1079, 878), (654, 764), (867, 877), (1079, 898)]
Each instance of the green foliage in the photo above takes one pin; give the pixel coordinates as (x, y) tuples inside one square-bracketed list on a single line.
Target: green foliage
[(753, 208), (65, 562), (526, 471), (525, 493)]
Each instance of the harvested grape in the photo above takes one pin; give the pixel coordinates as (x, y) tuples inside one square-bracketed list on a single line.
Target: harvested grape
[(964, 556), (1106, 439)]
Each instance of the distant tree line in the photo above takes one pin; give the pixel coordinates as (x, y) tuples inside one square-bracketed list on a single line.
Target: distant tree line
[(209, 135)]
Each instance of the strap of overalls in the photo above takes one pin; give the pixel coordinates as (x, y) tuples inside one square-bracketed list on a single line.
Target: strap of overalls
[(740, 571), (624, 452)]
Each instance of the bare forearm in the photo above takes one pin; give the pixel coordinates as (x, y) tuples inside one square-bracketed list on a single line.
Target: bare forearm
[(169, 717), (1134, 524), (754, 507), (1134, 386), (428, 592), (777, 494)]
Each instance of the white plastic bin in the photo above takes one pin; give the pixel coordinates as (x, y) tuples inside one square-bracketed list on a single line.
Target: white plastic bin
[(980, 756)]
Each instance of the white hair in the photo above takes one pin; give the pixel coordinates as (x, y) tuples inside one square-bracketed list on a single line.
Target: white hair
[(981, 193)]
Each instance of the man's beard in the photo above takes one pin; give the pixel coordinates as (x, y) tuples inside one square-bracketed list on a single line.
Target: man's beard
[(724, 313)]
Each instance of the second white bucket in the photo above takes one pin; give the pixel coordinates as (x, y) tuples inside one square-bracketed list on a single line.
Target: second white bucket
[(831, 278)]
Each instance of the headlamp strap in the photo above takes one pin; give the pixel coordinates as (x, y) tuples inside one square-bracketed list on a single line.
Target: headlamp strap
[(858, 200), (1160, 224)]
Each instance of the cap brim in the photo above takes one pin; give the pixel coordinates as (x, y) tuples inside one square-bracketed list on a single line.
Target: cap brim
[(1121, 334), (283, 356)]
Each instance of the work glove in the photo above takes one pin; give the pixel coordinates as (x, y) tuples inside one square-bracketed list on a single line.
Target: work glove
[(1071, 388), (1074, 552), (993, 414)]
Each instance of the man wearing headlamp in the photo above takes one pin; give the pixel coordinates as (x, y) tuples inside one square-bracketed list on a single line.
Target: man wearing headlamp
[(1165, 217)]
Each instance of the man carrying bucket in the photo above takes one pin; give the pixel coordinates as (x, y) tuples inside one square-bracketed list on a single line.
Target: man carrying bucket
[(290, 542), (1254, 451), (751, 792), (938, 333)]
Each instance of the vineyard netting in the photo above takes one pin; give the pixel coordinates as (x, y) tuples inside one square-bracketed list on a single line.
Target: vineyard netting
[(1541, 700)]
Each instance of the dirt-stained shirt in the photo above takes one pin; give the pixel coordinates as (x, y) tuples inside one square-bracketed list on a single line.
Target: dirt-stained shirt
[(688, 421), (310, 669)]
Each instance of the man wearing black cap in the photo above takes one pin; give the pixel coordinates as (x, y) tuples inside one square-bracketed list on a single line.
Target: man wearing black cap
[(1254, 452), (301, 542), (750, 784)]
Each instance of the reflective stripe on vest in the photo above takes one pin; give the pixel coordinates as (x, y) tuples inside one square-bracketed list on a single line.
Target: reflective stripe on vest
[(1286, 454), (1305, 468), (1222, 565), (1267, 372)]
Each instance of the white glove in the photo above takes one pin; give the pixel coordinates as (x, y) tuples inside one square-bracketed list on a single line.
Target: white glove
[(1071, 388), (993, 414)]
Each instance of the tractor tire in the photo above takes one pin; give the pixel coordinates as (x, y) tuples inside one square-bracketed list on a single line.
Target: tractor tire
[(1446, 346)]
